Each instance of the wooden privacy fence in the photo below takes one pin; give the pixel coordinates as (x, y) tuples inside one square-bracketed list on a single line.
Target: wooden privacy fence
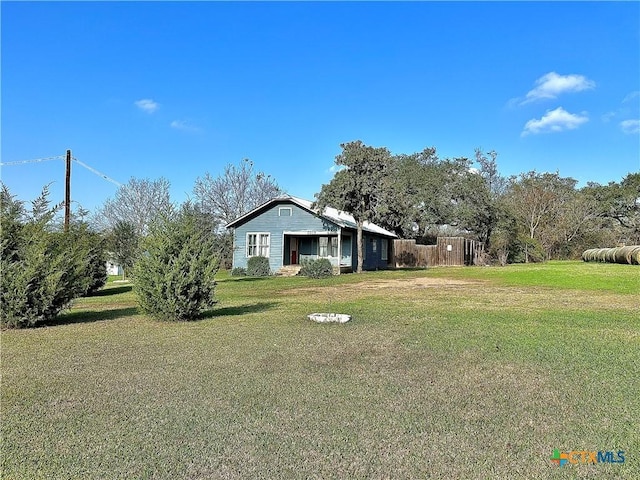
[(447, 251)]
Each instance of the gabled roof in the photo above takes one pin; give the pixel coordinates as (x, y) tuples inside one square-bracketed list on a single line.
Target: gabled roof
[(342, 219)]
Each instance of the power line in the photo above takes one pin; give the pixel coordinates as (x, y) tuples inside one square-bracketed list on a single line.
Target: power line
[(61, 157), (35, 160), (108, 179)]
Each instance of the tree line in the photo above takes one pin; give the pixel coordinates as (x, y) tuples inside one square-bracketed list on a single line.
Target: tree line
[(174, 250), (533, 216)]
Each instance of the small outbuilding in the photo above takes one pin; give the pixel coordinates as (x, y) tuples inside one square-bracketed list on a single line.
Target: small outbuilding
[(113, 268)]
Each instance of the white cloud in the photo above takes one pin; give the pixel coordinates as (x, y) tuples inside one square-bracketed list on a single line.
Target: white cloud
[(631, 96), (551, 85), (335, 168), (630, 126), (556, 120), (147, 105), (184, 126)]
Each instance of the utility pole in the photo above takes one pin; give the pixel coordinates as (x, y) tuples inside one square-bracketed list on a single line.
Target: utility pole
[(67, 193)]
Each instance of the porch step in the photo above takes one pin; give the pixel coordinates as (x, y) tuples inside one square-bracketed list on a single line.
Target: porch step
[(289, 270)]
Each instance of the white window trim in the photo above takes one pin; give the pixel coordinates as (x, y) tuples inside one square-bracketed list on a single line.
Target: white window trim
[(258, 245), (280, 209), (325, 241), (332, 246)]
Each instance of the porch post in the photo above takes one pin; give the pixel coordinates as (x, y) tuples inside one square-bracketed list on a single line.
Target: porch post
[(339, 249), (286, 256)]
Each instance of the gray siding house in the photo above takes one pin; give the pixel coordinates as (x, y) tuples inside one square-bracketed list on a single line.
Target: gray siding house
[(287, 230)]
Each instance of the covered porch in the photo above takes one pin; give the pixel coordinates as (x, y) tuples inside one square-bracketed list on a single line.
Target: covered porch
[(336, 246)]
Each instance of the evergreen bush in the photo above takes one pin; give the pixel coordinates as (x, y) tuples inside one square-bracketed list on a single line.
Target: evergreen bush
[(319, 268), (96, 270), (95, 260), (258, 267), (174, 274), (42, 270)]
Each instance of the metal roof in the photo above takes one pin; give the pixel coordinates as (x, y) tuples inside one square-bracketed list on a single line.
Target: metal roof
[(342, 219)]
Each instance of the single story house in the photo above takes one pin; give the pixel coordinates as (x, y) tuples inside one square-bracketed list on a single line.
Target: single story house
[(287, 230)]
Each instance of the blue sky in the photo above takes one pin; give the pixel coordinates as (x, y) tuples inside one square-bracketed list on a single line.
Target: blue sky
[(180, 89)]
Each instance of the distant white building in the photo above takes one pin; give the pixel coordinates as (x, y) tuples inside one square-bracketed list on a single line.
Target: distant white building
[(113, 268)]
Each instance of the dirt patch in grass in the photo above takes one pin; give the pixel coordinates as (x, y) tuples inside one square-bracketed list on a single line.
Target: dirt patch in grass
[(413, 283), (386, 286), (471, 294)]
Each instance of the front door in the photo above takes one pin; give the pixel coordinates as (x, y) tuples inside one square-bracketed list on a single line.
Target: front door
[(294, 251), (345, 255)]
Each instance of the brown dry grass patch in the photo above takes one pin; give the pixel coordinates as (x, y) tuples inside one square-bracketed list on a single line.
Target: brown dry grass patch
[(471, 294)]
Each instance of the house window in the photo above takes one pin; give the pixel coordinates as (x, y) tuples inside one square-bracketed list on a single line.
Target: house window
[(328, 247), (374, 245), (334, 247), (384, 249), (322, 246), (258, 244), (285, 211)]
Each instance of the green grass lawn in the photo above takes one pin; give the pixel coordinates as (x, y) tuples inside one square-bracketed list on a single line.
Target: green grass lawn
[(444, 373)]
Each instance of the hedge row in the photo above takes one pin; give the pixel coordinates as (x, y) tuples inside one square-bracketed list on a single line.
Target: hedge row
[(630, 255)]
